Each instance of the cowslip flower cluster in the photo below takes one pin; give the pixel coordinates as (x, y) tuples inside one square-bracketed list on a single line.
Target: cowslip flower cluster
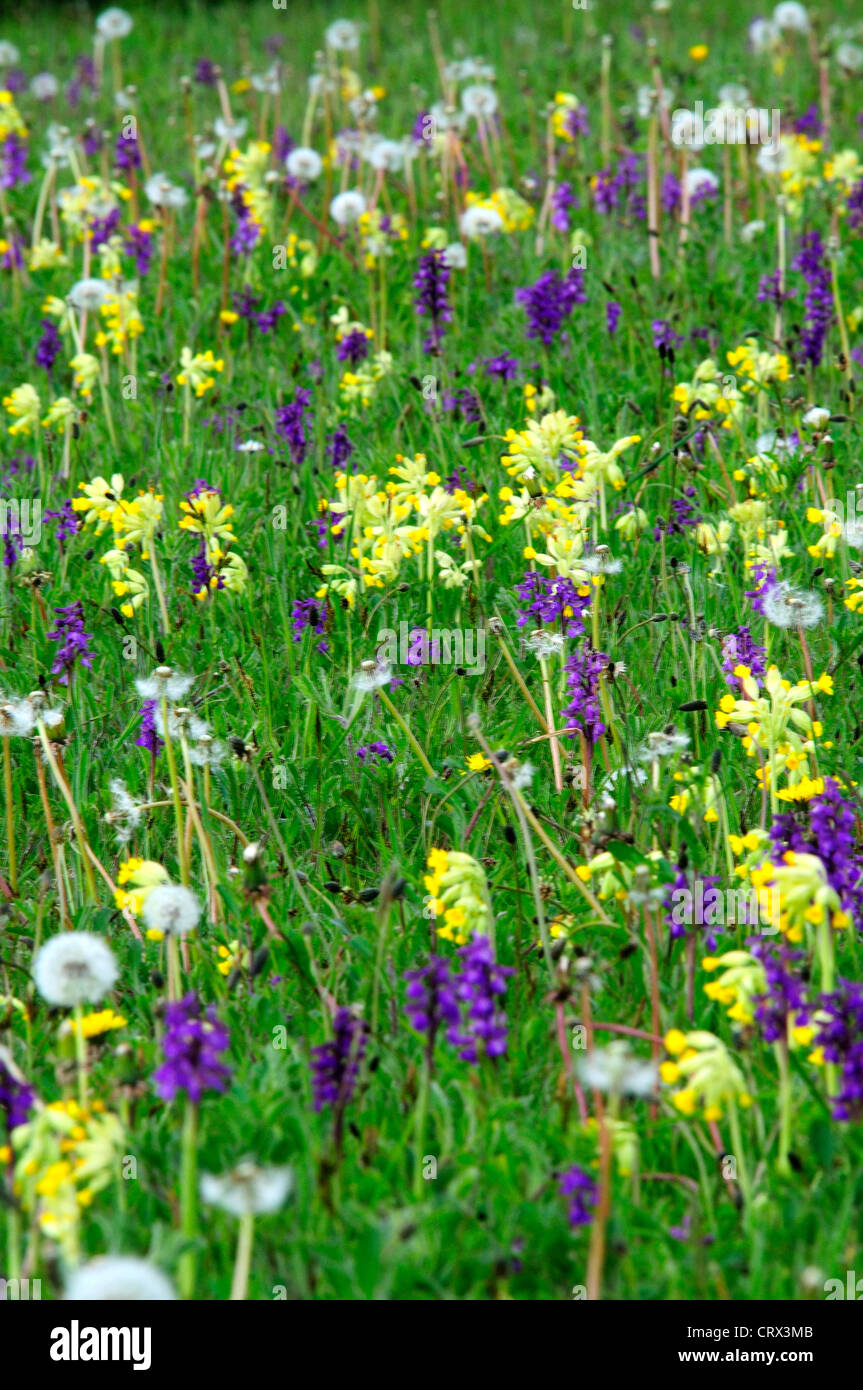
[(458, 893), (64, 1156), (216, 566), (772, 721), (711, 1078), (198, 369)]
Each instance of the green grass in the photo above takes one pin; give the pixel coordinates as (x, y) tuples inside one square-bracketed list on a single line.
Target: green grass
[(492, 1223)]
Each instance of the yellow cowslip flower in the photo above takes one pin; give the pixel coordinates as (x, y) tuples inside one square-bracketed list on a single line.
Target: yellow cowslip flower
[(86, 369), (232, 957), (206, 515), (516, 212), (23, 405), (541, 445), (624, 1142), (632, 524), (100, 500), (742, 980), (758, 368), (378, 233), (713, 539), (855, 594), (772, 721), (458, 892), (127, 583), (143, 875), (616, 879), (64, 1156), (844, 168), (61, 415), (806, 898), (46, 255), (711, 1076), (10, 119), (137, 521), (233, 572), (603, 466), (359, 388), (565, 103), (122, 320), (197, 370)]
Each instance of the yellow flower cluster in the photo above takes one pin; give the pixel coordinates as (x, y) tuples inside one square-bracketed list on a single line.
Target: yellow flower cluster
[(458, 893), (64, 1156), (379, 232), (400, 520), (246, 174), (564, 104), (515, 212), (143, 875), (198, 370), (782, 733), (127, 583), (122, 320), (23, 405), (232, 957), (710, 1075), (10, 119), (95, 1024)]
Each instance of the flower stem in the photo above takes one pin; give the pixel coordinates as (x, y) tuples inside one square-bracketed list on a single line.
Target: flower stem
[(419, 1133), (737, 1141), (81, 1057), (175, 794), (189, 1198), (160, 592), (785, 1114), (406, 731), (243, 1261), (10, 816), (73, 810)]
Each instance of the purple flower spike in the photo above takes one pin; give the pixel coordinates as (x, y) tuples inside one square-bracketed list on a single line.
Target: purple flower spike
[(193, 1043)]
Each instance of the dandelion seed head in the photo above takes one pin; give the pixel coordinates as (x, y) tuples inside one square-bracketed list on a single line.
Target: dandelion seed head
[(74, 968), (477, 222), (342, 35), (113, 23), (16, 719), (164, 684), (118, 1279), (248, 1188), (304, 164), (373, 675), (544, 644), (615, 1071), (348, 207), (171, 908), (786, 607), (88, 295)]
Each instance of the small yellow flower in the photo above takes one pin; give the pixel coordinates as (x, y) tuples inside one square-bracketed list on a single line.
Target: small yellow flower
[(477, 762)]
